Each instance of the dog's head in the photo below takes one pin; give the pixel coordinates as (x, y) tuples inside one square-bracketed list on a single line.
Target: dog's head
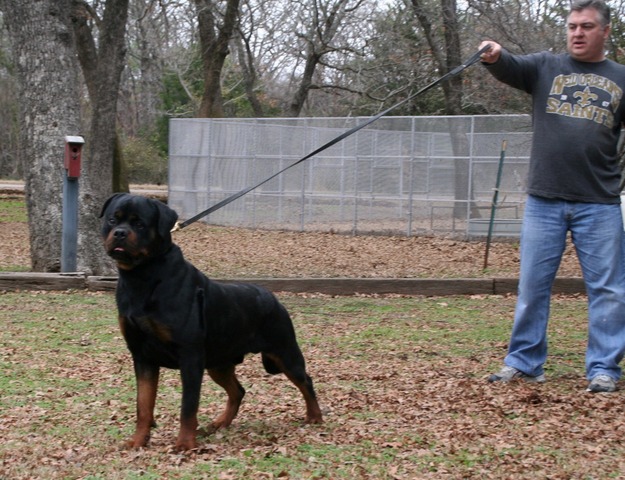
[(136, 229)]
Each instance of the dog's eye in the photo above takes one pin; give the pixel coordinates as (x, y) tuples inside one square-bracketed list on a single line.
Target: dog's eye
[(112, 221), (138, 224)]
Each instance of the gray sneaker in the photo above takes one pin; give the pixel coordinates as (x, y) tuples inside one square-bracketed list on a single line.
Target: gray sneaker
[(507, 374), (602, 383)]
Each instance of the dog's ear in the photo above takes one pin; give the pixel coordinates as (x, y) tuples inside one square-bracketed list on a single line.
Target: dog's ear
[(109, 201), (166, 219)]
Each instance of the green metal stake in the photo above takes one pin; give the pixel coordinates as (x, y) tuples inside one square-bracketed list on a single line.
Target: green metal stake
[(494, 205)]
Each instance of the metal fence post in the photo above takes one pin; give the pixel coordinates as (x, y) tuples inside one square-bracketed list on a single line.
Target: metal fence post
[(69, 241)]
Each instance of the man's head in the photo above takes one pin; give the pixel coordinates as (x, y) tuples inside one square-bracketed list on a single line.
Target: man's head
[(588, 28)]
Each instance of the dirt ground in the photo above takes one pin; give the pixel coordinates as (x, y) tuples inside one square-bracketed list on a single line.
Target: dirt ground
[(235, 252)]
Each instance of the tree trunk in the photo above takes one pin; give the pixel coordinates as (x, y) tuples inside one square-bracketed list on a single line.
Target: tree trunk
[(246, 62), (299, 99), (326, 17), (214, 41), (453, 92), (453, 98), (150, 63), (49, 110), (102, 66)]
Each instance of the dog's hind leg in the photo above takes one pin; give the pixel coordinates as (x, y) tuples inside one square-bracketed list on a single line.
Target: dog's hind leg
[(226, 378), (294, 367)]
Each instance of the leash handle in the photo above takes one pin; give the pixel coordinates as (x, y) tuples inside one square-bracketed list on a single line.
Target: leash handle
[(472, 60)]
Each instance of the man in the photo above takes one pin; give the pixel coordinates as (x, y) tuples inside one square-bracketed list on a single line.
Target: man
[(573, 185)]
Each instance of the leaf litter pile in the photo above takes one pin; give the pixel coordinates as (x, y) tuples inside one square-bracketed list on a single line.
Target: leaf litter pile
[(401, 380), (226, 252)]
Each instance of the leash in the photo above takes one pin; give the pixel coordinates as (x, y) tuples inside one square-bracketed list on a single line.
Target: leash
[(472, 60)]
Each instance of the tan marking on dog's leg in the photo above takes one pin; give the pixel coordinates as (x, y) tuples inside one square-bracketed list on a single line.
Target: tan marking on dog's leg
[(187, 435), (227, 379), (313, 412), (147, 386)]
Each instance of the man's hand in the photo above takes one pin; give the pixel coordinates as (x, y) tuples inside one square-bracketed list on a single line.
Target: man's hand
[(492, 54)]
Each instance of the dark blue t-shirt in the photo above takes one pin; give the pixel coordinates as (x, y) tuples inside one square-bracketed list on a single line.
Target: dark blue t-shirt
[(578, 109)]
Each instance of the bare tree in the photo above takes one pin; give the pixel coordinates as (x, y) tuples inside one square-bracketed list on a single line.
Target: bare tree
[(142, 78), (319, 25), (447, 53), (102, 64), (215, 29), (49, 110), (523, 26), (245, 54)]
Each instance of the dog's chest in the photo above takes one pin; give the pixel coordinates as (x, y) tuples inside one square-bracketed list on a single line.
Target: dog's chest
[(153, 318), (150, 327)]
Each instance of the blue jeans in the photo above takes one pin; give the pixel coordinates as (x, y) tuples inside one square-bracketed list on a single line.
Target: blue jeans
[(597, 233)]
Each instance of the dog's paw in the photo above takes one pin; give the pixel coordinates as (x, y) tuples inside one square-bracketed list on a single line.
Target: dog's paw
[(135, 442), (185, 444), (314, 420), (206, 431), (223, 421)]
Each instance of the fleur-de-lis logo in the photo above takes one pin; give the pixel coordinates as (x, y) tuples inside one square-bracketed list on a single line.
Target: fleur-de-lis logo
[(585, 97)]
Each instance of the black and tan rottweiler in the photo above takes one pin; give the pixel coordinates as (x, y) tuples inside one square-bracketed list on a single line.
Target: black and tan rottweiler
[(171, 315)]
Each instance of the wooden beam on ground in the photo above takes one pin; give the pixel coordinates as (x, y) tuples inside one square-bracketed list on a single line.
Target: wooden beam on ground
[(329, 286), (566, 286), (381, 286), (41, 281)]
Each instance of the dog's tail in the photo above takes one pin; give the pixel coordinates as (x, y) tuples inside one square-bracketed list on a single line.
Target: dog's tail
[(270, 366)]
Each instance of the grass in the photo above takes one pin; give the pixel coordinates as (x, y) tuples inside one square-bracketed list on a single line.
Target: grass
[(12, 214), (401, 381), (13, 210)]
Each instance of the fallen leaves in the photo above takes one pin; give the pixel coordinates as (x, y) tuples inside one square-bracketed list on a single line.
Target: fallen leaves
[(224, 252), (401, 399)]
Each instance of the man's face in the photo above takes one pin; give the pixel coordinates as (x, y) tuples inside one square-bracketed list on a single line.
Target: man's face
[(586, 36)]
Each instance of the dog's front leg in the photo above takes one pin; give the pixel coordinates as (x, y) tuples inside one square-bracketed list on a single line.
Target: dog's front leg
[(191, 371), (147, 385)]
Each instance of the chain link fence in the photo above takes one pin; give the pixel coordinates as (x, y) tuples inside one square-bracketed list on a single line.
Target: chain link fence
[(398, 176)]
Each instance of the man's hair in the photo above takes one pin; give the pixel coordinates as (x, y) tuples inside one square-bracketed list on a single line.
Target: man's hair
[(602, 9)]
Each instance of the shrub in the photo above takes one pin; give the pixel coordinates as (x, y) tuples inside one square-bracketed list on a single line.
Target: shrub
[(144, 162)]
